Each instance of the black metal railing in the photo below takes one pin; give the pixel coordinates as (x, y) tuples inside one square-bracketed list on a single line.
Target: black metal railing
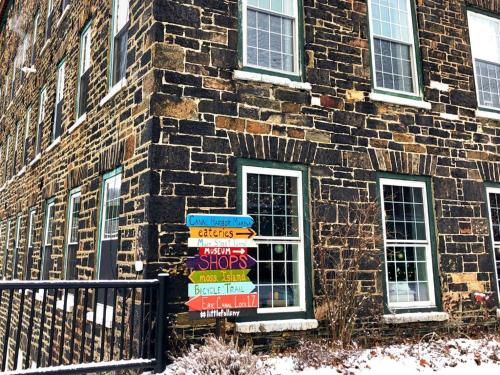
[(70, 327)]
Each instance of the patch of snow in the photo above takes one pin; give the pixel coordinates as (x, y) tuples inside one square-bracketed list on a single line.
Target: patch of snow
[(277, 325), (415, 317)]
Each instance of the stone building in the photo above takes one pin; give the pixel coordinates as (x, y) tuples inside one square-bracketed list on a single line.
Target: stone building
[(121, 117)]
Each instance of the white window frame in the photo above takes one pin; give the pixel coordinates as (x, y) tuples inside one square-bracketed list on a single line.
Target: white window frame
[(417, 91), (493, 190), (474, 65), (29, 240), (36, 20), (26, 133), (61, 73), (16, 147), (431, 303), (296, 48), (298, 241), (114, 32), (7, 170), (50, 205), (6, 248), (41, 117), (75, 194), (84, 63), (15, 253)]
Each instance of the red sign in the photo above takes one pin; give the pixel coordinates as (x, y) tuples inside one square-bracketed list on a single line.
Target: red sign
[(223, 251), (229, 301)]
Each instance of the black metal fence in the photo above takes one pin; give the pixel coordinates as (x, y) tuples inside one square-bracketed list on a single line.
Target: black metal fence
[(71, 327)]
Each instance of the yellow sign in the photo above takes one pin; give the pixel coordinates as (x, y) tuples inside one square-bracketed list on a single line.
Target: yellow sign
[(226, 233)]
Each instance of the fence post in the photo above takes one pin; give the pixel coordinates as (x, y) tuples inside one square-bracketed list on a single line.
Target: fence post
[(161, 316)]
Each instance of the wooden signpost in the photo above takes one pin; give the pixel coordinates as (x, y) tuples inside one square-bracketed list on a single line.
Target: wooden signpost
[(220, 285)]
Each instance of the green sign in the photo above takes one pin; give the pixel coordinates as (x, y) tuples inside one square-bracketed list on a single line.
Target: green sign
[(219, 276)]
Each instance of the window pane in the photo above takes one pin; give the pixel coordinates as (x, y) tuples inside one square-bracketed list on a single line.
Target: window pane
[(111, 207), (495, 215), (393, 65), (488, 82), (390, 19)]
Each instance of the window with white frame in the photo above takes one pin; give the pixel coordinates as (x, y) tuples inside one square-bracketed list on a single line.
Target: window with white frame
[(36, 20), (109, 228), (6, 248), (28, 262), (6, 172), (72, 235), (41, 117), (83, 71), (26, 143), (485, 44), (50, 18), (13, 80), (24, 54), (16, 147), (48, 230), (119, 28), (17, 247), (273, 197), (270, 35), (393, 46), (408, 250), (58, 110), (493, 194)]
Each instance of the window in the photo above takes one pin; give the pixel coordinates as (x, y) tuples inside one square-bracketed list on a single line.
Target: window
[(13, 81), (24, 54), (274, 198), (485, 43), (407, 241), (393, 46), (108, 231), (6, 249), (17, 247), (14, 161), (35, 34), (41, 118), (48, 228), (26, 143), (72, 236), (119, 33), (28, 265), (270, 35), (493, 194), (6, 166), (50, 16), (58, 110), (83, 72)]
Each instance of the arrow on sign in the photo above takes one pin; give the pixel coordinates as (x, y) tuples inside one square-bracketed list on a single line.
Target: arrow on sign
[(228, 221), (219, 276), (221, 233), (220, 262), (210, 289), (216, 242), (223, 251), (230, 301)]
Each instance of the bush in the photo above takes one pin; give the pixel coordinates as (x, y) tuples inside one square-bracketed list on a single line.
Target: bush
[(217, 357)]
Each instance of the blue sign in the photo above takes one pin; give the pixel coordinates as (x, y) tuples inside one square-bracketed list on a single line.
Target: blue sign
[(228, 221)]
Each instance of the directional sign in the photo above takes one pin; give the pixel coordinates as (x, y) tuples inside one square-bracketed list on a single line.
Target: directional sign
[(227, 221), (230, 301), (222, 313), (223, 251), (218, 289), (215, 232), (222, 262), (219, 276), (215, 242)]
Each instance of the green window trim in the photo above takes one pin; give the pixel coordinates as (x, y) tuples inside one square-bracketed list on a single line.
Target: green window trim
[(418, 93), (308, 271), (432, 240), (297, 76), (105, 177), (490, 242)]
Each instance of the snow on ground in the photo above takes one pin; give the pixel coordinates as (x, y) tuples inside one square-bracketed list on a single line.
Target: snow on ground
[(451, 357)]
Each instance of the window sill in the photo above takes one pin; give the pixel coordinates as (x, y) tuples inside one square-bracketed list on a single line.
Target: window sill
[(113, 91), (415, 317), (54, 143), (77, 123), (45, 45), (392, 99), (487, 114), (265, 78), (277, 326), (70, 302), (100, 315), (38, 157), (63, 15)]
